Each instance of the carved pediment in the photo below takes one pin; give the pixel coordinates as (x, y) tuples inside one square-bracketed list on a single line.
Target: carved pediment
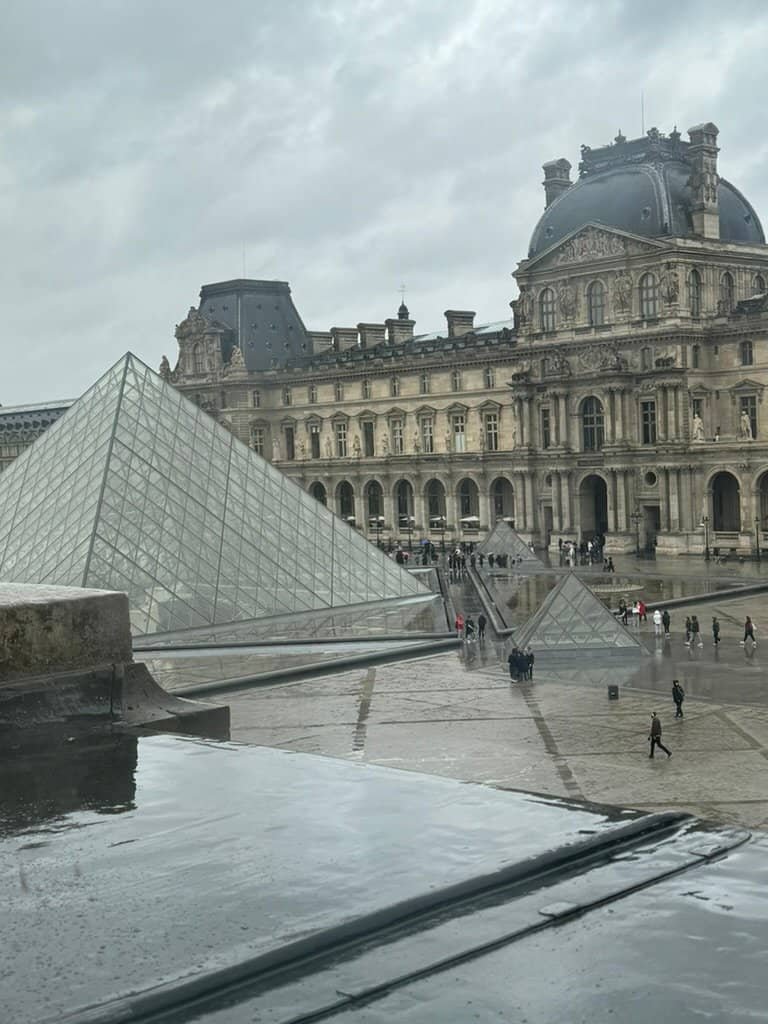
[(747, 386), (594, 242)]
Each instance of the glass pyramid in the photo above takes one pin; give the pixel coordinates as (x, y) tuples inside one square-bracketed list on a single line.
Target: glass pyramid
[(503, 540), (137, 489), (571, 619)]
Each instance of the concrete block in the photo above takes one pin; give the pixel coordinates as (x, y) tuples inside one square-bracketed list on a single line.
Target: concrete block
[(60, 629)]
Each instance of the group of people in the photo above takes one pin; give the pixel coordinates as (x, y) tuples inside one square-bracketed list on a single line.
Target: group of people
[(466, 628), (637, 610), (654, 735), (521, 664), (693, 638), (585, 553)]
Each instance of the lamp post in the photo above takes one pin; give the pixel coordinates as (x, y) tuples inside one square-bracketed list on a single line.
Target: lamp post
[(757, 539), (409, 526), (637, 517), (442, 534), (705, 520), (378, 522)]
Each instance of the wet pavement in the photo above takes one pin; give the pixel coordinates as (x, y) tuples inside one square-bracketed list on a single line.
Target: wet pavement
[(458, 715)]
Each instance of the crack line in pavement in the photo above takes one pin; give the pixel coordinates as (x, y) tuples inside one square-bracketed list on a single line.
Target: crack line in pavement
[(366, 695), (561, 765)]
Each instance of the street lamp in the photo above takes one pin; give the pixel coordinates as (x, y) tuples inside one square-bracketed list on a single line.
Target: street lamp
[(378, 522), (705, 521), (637, 518), (757, 539), (409, 521)]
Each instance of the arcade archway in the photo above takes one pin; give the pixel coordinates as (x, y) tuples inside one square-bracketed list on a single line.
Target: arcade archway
[(726, 503), (593, 500)]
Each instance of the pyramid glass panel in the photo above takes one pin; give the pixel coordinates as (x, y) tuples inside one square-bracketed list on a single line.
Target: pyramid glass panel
[(503, 540), (571, 619), (137, 489)]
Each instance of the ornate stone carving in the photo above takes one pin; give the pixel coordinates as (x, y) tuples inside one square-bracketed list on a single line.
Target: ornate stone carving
[(276, 449), (165, 368), (591, 244), (745, 427), (622, 292), (527, 305), (669, 284), (521, 373), (697, 429), (557, 366), (236, 361), (357, 450), (601, 357), (416, 443), (567, 300)]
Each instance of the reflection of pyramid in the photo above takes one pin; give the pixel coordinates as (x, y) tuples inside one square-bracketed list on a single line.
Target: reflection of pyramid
[(503, 540), (573, 619), (137, 489)]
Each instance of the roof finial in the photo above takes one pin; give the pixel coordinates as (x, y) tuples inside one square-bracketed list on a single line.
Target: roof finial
[(402, 313)]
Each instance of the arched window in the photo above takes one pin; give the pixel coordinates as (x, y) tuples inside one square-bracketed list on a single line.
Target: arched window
[(694, 293), (338, 391), (596, 304), (345, 498), (375, 497), (489, 377), (593, 424), (424, 384), (758, 285), (394, 387), (547, 310), (727, 293), (455, 380), (198, 359), (649, 297)]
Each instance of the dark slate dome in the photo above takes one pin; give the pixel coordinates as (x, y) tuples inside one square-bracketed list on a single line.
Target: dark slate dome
[(642, 187)]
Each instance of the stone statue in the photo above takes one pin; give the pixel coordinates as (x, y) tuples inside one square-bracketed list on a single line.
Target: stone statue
[(622, 292), (448, 441), (236, 361), (357, 450), (416, 442), (526, 304), (328, 448), (385, 444), (566, 297), (745, 425), (275, 449), (302, 450), (513, 431), (670, 286), (698, 429), (165, 368)]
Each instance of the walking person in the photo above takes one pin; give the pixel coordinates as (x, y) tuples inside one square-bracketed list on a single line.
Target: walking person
[(481, 621), (514, 664), (678, 696), (696, 632), (687, 630), (715, 631), (460, 625), (657, 623), (655, 736), (749, 631), (666, 622)]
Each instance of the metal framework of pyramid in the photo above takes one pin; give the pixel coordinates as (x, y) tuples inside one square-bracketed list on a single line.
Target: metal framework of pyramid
[(573, 619), (503, 539), (137, 489)]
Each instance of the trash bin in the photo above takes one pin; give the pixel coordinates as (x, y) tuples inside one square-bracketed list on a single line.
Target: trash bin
[(613, 691)]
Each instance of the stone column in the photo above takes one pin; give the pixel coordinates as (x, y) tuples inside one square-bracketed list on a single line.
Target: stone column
[(565, 435), (685, 500), (452, 508), (674, 500), (529, 432), (530, 509), (388, 508), (621, 501), (661, 413), (557, 503), (620, 437), (610, 417), (566, 480), (613, 505)]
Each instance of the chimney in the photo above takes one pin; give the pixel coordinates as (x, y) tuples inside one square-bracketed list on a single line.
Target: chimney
[(320, 341), (399, 330), (371, 335), (704, 180), (557, 179), (343, 338), (460, 321)]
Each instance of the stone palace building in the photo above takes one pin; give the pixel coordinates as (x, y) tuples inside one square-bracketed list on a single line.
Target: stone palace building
[(624, 396)]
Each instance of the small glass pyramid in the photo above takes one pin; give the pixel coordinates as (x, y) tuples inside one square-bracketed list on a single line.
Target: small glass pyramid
[(503, 540), (137, 489), (572, 618)]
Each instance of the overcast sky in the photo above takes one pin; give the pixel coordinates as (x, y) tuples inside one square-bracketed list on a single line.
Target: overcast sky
[(345, 146)]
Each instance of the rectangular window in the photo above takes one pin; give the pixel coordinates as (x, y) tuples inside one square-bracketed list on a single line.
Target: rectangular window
[(648, 421), (747, 357), (394, 387), (749, 406), (424, 384), (290, 443), (546, 434), (695, 357), (398, 445), (223, 400), (491, 432), (341, 440), (369, 443), (458, 425), (257, 440), (428, 435), (256, 399), (338, 391), (287, 396), (314, 440), (696, 406)]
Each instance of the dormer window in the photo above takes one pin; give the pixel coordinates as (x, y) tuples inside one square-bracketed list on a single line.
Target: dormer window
[(547, 310), (649, 297), (596, 304)]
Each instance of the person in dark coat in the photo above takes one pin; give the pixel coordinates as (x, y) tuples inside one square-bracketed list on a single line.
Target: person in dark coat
[(678, 696), (665, 621), (715, 630), (749, 631), (529, 660), (655, 736), (481, 621), (696, 632), (514, 664)]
